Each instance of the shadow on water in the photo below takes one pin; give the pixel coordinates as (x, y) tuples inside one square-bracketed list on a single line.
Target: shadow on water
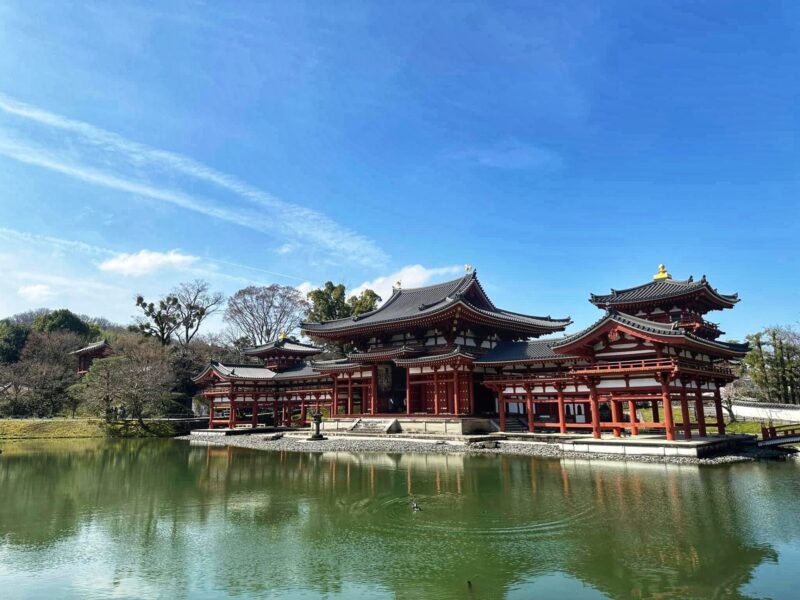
[(88, 518)]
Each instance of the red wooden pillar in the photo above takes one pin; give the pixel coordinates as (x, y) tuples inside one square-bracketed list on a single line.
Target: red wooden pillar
[(562, 415), (654, 405), (254, 416), (615, 415), (335, 405), (435, 390), (349, 393), (502, 407), (302, 411), (667, 405), (211, 412), (529, 400), (698, 409), (408, 391), (718, 409), (470, 392), (687, 422), (232, 415), (595, 406), (374, 391), (456, 392), (632, 411)]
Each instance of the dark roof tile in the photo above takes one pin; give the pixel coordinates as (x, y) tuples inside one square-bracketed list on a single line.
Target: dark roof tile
[(529, 351), (662, 289), (413, 303)]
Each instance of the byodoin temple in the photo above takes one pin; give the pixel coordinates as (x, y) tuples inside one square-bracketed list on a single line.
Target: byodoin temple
[(446, 351)]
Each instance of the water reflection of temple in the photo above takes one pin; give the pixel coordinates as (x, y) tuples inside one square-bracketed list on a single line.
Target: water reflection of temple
[(525, 516), (256, 523)]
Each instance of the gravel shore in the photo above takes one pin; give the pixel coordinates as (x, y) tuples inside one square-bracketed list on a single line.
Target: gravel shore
[(402, 446)]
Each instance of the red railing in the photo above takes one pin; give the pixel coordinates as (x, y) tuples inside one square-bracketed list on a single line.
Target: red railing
[(651, 364), (770, 432), (645, 364)]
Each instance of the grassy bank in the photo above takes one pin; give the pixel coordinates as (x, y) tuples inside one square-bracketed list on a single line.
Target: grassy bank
[(31, 429), (749, 427), (16, 429)]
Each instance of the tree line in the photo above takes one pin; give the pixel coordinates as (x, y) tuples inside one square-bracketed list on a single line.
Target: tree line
[(772, 366), (155, 357)]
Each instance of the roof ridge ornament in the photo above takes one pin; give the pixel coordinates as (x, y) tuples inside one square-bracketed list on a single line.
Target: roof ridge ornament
[(662, 273), (468, 269)]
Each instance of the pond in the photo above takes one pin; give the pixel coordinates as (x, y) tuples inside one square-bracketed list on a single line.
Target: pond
[(163, 518)]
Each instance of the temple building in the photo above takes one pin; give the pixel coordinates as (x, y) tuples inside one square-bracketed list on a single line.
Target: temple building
[(88, 354), (446, 350)]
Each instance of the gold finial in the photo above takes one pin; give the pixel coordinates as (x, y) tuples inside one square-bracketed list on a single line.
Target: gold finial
[(398, 284), (662, 273), (467, 269), (282, 336)]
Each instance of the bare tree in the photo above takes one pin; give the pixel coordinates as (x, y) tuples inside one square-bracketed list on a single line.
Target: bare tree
[(29, 316), (48, 369), (261, 313), (735, 391), (145, 377), (14, 393), (101, 389), (195, 304)]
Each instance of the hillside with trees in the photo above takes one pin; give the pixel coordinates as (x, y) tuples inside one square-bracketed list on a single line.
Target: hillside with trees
[(155, 357)]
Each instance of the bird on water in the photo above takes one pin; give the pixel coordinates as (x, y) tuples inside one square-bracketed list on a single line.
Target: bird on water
[(415, 507)]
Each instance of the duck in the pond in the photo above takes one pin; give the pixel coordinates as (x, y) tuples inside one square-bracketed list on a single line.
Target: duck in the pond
[(415, 507)]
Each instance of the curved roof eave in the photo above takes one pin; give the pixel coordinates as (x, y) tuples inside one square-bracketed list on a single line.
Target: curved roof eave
[(652, 328), (681, 288)]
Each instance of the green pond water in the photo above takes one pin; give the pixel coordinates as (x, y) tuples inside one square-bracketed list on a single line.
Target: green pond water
[(161, 518)]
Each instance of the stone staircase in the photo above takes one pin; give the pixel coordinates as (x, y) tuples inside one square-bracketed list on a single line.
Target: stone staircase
[(515, 425), (376, 426)]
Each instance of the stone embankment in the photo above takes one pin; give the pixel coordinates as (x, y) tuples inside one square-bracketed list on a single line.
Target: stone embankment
[(294, 443)]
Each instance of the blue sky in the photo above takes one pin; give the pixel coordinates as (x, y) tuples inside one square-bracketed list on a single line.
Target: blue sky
[(561, 148)]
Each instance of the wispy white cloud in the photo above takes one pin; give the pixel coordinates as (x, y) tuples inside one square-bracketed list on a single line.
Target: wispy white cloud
[(38, 292), (513, 155), (409, 276), (306, 287), (136, 168), (60, 243), (218, 266), (145, 262)]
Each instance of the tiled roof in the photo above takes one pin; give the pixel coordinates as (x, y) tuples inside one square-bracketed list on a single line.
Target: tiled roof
[(286, 345), (336, 363), (531, 351), (92, 347), (300, 371), (663, 289), (242, 371), (257, 373), (414, 303), (669, 330), (389, 352), (457, 352)]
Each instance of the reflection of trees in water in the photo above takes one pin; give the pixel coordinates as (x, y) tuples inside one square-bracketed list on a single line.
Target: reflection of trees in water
[(248, 521), (661, 531)]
